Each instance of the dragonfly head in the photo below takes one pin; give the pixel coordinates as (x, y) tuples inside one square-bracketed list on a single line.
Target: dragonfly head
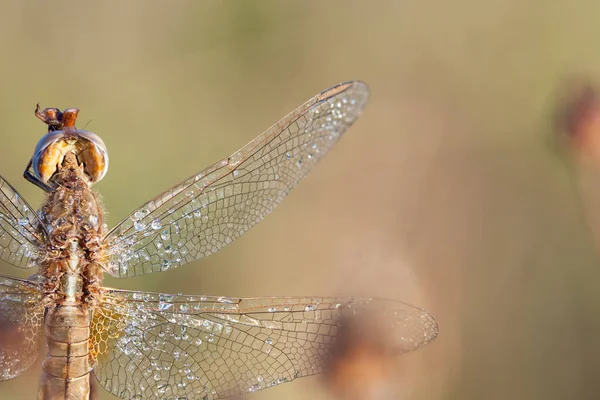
[(63, 138)]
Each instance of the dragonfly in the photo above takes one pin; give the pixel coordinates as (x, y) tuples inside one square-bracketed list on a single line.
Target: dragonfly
[(141, 345)]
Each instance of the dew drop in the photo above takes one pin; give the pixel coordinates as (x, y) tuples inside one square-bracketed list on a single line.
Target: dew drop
[(139, 214), (156, 224), (94, 220), (254, 388)]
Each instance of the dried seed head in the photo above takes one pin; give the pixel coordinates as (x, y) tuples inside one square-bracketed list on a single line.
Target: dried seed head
[(579, 119)]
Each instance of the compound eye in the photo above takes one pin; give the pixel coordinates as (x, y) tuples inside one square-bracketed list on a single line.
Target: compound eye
[(48, 155), (92, 154)]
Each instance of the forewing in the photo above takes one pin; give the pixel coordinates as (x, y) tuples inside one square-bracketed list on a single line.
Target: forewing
[(21, 232), (21, 318), (209, 210), (210, 348)]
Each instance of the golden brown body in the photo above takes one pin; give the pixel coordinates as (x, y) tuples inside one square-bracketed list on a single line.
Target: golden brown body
[(72, 275), (66, 368)]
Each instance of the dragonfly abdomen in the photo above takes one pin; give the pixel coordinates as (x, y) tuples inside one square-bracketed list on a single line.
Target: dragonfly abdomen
[(66, 370)]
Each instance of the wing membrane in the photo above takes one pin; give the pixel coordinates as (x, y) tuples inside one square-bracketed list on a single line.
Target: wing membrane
[(21, 318), (211, 348), (21, 232), (209, 210)]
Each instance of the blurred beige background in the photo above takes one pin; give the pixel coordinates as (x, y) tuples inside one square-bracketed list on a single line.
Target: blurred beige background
[(447, 193)]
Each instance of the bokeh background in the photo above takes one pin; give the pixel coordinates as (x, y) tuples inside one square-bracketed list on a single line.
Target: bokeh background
[(448, 193)]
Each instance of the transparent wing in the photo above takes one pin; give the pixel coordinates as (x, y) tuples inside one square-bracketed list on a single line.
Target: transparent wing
[(209, 210), (21, 232), (170, 346), (21, 318)]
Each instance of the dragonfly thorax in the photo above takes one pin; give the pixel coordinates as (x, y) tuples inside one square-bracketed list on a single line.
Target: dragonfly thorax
[(62, 140)]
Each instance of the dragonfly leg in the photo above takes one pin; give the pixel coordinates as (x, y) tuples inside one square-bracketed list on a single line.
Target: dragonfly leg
[(31, 178)]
